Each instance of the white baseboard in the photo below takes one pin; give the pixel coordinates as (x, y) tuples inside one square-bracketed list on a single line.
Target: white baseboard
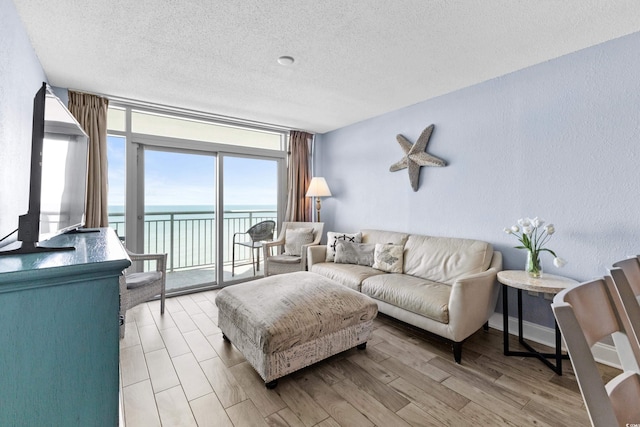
[(603, 353)]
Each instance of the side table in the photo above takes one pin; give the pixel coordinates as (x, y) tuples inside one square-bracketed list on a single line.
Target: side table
[(548, 283)]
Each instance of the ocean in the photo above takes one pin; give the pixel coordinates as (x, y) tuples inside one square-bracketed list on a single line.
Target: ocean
[(118, 210), (187, 232)]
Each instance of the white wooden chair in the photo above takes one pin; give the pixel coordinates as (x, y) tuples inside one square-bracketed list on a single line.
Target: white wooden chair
[(626, 293), (281, 262), (136, 288), (586, 314)]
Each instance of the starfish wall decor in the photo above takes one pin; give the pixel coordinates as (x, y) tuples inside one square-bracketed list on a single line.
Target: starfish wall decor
[(415, 156)]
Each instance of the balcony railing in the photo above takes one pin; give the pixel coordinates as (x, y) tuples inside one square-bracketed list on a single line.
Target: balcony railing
[(188, 237)]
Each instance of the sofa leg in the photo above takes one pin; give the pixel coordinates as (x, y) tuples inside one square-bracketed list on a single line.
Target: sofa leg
[(361, 346), (457, 352), (486, 326)]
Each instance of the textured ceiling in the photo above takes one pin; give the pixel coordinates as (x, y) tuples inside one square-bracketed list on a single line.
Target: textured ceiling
[(353, 59)]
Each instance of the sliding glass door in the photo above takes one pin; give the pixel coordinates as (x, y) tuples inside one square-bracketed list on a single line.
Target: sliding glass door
[(185, 184), (179, 215), (250, 197)]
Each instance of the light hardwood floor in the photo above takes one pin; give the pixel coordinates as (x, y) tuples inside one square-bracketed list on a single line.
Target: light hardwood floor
[(176, 370)]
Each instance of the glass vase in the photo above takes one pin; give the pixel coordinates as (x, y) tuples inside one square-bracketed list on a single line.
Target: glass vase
[(533, 266)]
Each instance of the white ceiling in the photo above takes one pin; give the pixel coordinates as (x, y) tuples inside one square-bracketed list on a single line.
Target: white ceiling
[(355, 59)]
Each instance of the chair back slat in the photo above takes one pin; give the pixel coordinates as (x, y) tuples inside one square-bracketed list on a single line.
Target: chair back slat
[(627, 344), (631, 268), (262, 231)]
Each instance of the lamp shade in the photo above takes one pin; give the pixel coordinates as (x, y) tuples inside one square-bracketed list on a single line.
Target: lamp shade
[(318, 188)]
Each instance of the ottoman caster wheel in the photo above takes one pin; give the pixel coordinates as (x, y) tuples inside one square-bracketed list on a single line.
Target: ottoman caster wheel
[(361, 346), (271, 384), (224, 337)]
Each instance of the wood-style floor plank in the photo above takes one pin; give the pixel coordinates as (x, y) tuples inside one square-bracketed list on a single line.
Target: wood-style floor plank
[(175, 369), (163, 375), (378, 390), (266, 401), (193, 380), (335, 405), (246, 414), (174, 409), (209, 412), (302, 405), (199, 345), (225, 385), (284, 418), (150, 338), (140, 405), (434, 388), (133, 367), (371, 408)]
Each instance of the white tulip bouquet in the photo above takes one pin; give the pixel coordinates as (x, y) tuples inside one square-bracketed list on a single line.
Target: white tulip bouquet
[(533, 235)]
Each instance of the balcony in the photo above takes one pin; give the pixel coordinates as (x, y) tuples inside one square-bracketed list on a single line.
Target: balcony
[(189, 239)]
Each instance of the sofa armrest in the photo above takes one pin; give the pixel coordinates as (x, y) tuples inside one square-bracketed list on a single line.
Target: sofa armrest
[(472, 301), (316, 254)]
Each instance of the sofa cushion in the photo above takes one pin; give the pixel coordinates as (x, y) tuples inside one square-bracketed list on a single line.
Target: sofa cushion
[(388, 258), (381, 236), (423, 297), (349, 275), (445, 259), (333, 238), (354, 253)]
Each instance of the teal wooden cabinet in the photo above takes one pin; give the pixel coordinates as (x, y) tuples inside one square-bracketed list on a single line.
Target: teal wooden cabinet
[(59, 341)]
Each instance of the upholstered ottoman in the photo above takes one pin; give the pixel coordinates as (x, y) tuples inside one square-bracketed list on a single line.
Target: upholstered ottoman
[(286, 322)]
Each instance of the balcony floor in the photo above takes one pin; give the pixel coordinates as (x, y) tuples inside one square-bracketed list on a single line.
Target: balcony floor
[(196, 277)]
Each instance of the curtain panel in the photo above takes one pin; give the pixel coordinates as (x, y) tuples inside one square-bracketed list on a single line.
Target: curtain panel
[(298, 177), (91, 112)]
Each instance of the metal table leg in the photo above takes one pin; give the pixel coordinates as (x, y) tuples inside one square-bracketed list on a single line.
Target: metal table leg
[(543, 357)]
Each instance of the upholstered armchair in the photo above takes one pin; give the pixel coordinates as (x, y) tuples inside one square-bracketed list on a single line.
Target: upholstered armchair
[(289, 252), (136, 288)]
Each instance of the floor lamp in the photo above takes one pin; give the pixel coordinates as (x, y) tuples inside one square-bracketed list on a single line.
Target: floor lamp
[(318, 188)]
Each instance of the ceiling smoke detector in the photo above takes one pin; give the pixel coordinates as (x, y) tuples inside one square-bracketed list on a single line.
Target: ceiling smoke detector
[(286, 60)]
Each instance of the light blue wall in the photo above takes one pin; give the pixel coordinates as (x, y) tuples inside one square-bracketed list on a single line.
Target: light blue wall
[(559, 140), (21, 76)]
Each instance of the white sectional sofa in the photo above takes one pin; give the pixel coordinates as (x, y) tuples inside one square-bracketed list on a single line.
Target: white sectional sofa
[(446, 286)]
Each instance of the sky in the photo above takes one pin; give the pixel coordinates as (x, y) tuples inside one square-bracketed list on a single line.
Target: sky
[(189, 179)]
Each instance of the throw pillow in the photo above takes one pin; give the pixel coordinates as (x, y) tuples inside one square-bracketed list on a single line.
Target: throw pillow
[(333, 238), (294, 238), (388, 258), (354, 253)]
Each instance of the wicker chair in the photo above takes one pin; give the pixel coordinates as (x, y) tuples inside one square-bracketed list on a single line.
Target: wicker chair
[(136, 288), (280, 262), (258, 233)]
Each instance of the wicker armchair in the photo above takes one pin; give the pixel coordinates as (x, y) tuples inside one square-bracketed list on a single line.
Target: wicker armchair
[(281, 262), (136, 288)]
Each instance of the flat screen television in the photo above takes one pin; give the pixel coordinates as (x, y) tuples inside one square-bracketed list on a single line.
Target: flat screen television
[(58, 178)]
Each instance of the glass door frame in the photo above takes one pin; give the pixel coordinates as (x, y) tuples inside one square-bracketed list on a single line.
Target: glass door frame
[(281, 196), (134, 218)]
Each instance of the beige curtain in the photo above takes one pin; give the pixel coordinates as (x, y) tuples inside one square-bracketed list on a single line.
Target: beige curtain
[(91, 112), (298, 177)]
